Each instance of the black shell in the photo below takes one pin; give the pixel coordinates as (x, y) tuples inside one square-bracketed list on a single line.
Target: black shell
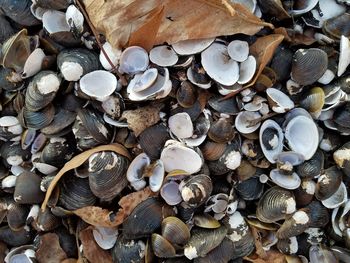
[(152, 140), (312, 167), (319, 215), (250, 189), (196, 189), (27, 189), (19, 11), (128, 251)]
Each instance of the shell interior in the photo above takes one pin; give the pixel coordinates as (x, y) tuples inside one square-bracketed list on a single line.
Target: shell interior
[(163, 56), (55, 21), (133, 60), (247, 70), (192, 46), (281, 102), (344, 57), (290, 182), (238, 50)]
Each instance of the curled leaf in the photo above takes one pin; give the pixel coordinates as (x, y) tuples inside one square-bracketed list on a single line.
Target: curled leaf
[(98, 216), (126, 22), (91, 249), (49, 250), (78, 160)]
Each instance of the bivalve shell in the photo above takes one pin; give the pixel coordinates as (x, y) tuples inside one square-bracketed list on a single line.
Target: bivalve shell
[(196, 189)]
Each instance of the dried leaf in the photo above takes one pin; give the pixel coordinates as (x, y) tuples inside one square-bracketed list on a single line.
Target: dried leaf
[(78, 160), (273, 256), (263, 50), (49, 250), (258, 245), (3, 251), (98, 216), (124, 22), (70, 260), (295, 38), (142, 118), (91, 250)]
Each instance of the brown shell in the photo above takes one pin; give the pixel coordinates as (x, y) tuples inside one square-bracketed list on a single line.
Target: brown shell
[(337, 26)]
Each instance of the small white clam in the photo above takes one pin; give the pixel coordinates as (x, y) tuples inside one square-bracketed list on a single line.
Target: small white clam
[(238, 50), (247, 70), (279, 101), (55, 21), (133, 60), (135, 170), (181, 125), (163, 56), (33, 63), (344, 56), (219, 66), (75, 18), (271, 140), (243, 121), (192, 79), (192, 46), (113, 54)]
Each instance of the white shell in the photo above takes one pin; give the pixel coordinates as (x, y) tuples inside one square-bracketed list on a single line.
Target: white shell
[(157, 177), (98, 84), (344, 56), (55, 21), (193, 81), (238, 50), (146, 80), (133, 60), (75, 18), (282, 100), (302, 136), (135, 169), (271, 154), (247, 70), (181, 125), (112, 53), (327, 77), (160, 88), (219, 66), (242, 121), (170, 193), (105, 237), (290, 182), (33, 63), (163, 56), (176, 156), (192, 46), (337, 199)]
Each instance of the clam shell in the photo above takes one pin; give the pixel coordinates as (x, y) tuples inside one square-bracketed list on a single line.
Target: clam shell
[(27, 189), (288, 246), (192, 46), (175, 231), (271, 139), (314, 100), (162, 247), (319, 215), (228, 106), (186, 94), (163, 56), (286, 181), (38, 119), (250, 189), (312, 167), (328, 183), (212, 150), (153, 139), (295, 225), (196, 190), (275, 204), (279, 101), (19, 12), (57, 152), (221, 131), (309, 65), (15, 238), (337, 199), (128, 250), (337, 26), (133, 60)]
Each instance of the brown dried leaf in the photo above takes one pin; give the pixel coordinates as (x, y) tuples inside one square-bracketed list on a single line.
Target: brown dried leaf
[(273, 256), (70, 260), (91, 250), (258, 245), (49, 250), (3, 251), (98, 216), (78, 160), (124, 21), (295, 38), (142, 118)]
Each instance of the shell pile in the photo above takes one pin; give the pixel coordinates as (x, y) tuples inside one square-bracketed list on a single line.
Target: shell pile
[(145, 156)]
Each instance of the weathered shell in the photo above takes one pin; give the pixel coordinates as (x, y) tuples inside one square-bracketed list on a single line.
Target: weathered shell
[(27, 189), (309, 65), (61, 123), (288, 246), (162, 247), (312, 167), (212, 150), (206, 221), (144, 219), (294, 225), (337, 26), (319, 215), (8, 79), (15, 238), (228, 106), (250, 189), (328, 183), (305, 192), (186, 94), (196, 190), (46, 221), (275, 204), (128, 250), (221, 131), (19, 11), (314, 100), (212, 237), (9, 128), (16, 215), (175, 231), (57, 152), (75, 193), (342, 158), (271, 139), (107, 174), (153, 139), (38, 119)]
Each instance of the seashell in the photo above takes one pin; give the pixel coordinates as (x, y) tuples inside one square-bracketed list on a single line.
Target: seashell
[(305, 192), (206, 221), (136, 169), (176, 156), (221, 131), (152, 140), (295, 225), (218, 66), (41, 90), (318, 253), (90, 83), (337, 26), (133, 60), (75, 19), (46, 221), (275, 204), (342, 157), (271, 140), (247, 70), (279, 101), (228, 106), (287, 181), (244, 122), (319, 215), (76, 62), (186, 94), (163, 56), (16, 215), (197, 248), (19, 11), (337, 199), (222, 253), (212, 150), (288, 246), (75, 193), (37, 119), (171, 194), (8, 79), (105, 237), (312, 167), (27, 189), (13, 154), (6, 29), (196, 190), (309, 65), (302, 136), (273, 8), (113, 54), (327, 77), (192, 46), (161, 247), (10, 128), (107, 174), (15, 238), (328, 183), (314, 100), (146, 80), (61, 123), (250, 189), (181, 125), (34, 63), (149, 212), (159, 89), (175, 231), (340, 116), (302, 7), (344, 56), (128, 250), (238, 50)]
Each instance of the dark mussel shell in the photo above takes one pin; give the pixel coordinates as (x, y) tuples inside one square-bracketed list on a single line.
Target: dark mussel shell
[(19, 11), (337, 26)]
